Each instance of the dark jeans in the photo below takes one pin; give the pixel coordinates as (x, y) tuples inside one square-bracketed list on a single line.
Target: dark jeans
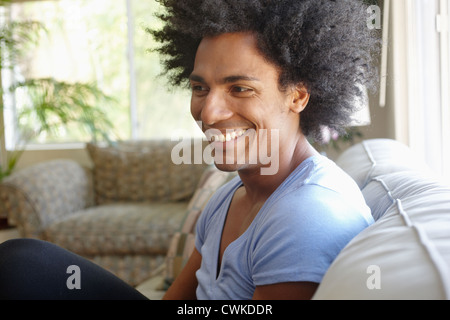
[(35, 269)]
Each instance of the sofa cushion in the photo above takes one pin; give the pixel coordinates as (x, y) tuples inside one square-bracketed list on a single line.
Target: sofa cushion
[(378, 197), (141, 171), (405, 254), (135, 269), (375, 157), (381, 192), (122, 228)]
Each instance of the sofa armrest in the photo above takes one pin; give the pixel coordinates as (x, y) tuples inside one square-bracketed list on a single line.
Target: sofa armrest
[(36, 196)]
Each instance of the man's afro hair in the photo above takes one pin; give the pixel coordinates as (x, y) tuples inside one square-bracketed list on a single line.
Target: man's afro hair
[(324, 44)]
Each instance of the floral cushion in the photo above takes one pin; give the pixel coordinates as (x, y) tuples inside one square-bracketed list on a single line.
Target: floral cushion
[(141, 171), (134, 269), (119, 229)]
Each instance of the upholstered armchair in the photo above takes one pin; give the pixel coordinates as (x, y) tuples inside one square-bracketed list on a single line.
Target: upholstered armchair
[(122, 213)]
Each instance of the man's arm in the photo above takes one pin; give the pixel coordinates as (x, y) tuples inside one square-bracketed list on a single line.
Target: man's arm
[(185, 285), (286, 291)]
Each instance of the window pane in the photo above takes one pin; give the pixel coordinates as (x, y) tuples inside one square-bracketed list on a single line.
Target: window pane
[(84, 41), (161, 110), (446, 97)]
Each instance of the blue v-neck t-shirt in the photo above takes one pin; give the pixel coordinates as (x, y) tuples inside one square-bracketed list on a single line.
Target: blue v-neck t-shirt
[(295, 236)]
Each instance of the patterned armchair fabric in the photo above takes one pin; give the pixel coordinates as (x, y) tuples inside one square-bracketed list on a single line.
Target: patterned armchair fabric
[(37, 196), (122, 213)]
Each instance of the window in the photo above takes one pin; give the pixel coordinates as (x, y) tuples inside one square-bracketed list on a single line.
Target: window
[(102, 42), (429, 105), (419, 79), (444, 24)]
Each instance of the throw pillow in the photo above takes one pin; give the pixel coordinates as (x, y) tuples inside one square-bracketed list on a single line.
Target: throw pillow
[(141, 171)]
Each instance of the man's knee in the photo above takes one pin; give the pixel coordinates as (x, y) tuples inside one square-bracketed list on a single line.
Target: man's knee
[(20, 249), (25, 256)]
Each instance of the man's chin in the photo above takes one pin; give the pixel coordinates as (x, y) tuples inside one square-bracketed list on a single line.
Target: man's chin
[(227, 167), (242, 168)]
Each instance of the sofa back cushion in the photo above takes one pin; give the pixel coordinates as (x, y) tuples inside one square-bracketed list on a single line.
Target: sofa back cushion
[(375, 157), (142, 171), (405, 254)]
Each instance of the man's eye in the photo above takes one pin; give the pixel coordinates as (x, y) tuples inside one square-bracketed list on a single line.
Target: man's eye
[(198, 89), (237, 89)]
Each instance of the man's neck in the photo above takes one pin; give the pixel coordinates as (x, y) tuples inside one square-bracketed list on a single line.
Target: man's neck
[(259, 187)]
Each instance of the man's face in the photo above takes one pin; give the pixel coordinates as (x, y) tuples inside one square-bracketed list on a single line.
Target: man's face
[(237, 99)]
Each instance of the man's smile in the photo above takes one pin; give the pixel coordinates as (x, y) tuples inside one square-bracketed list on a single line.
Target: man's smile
[(216, 135)]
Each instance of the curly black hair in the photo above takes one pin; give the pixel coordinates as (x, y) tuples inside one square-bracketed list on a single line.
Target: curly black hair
[(324, 44)]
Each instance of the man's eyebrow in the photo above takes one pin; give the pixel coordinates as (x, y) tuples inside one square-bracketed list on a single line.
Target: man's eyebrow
[(229, 79), (196, 78), (237, 78)]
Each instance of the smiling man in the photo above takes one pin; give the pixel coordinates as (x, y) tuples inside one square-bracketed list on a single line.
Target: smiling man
[(259, 70), (234, 91), (264, 75)]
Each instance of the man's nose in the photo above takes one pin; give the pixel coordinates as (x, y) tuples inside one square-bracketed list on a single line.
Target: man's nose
[(215, 108)]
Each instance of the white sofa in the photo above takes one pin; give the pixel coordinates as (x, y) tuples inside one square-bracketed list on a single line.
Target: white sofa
[(405, 254)]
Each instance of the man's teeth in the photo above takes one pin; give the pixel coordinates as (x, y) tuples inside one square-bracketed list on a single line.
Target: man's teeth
[(227, 137)]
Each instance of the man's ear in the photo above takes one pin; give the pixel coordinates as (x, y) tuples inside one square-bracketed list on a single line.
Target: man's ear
[(300, 98)]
